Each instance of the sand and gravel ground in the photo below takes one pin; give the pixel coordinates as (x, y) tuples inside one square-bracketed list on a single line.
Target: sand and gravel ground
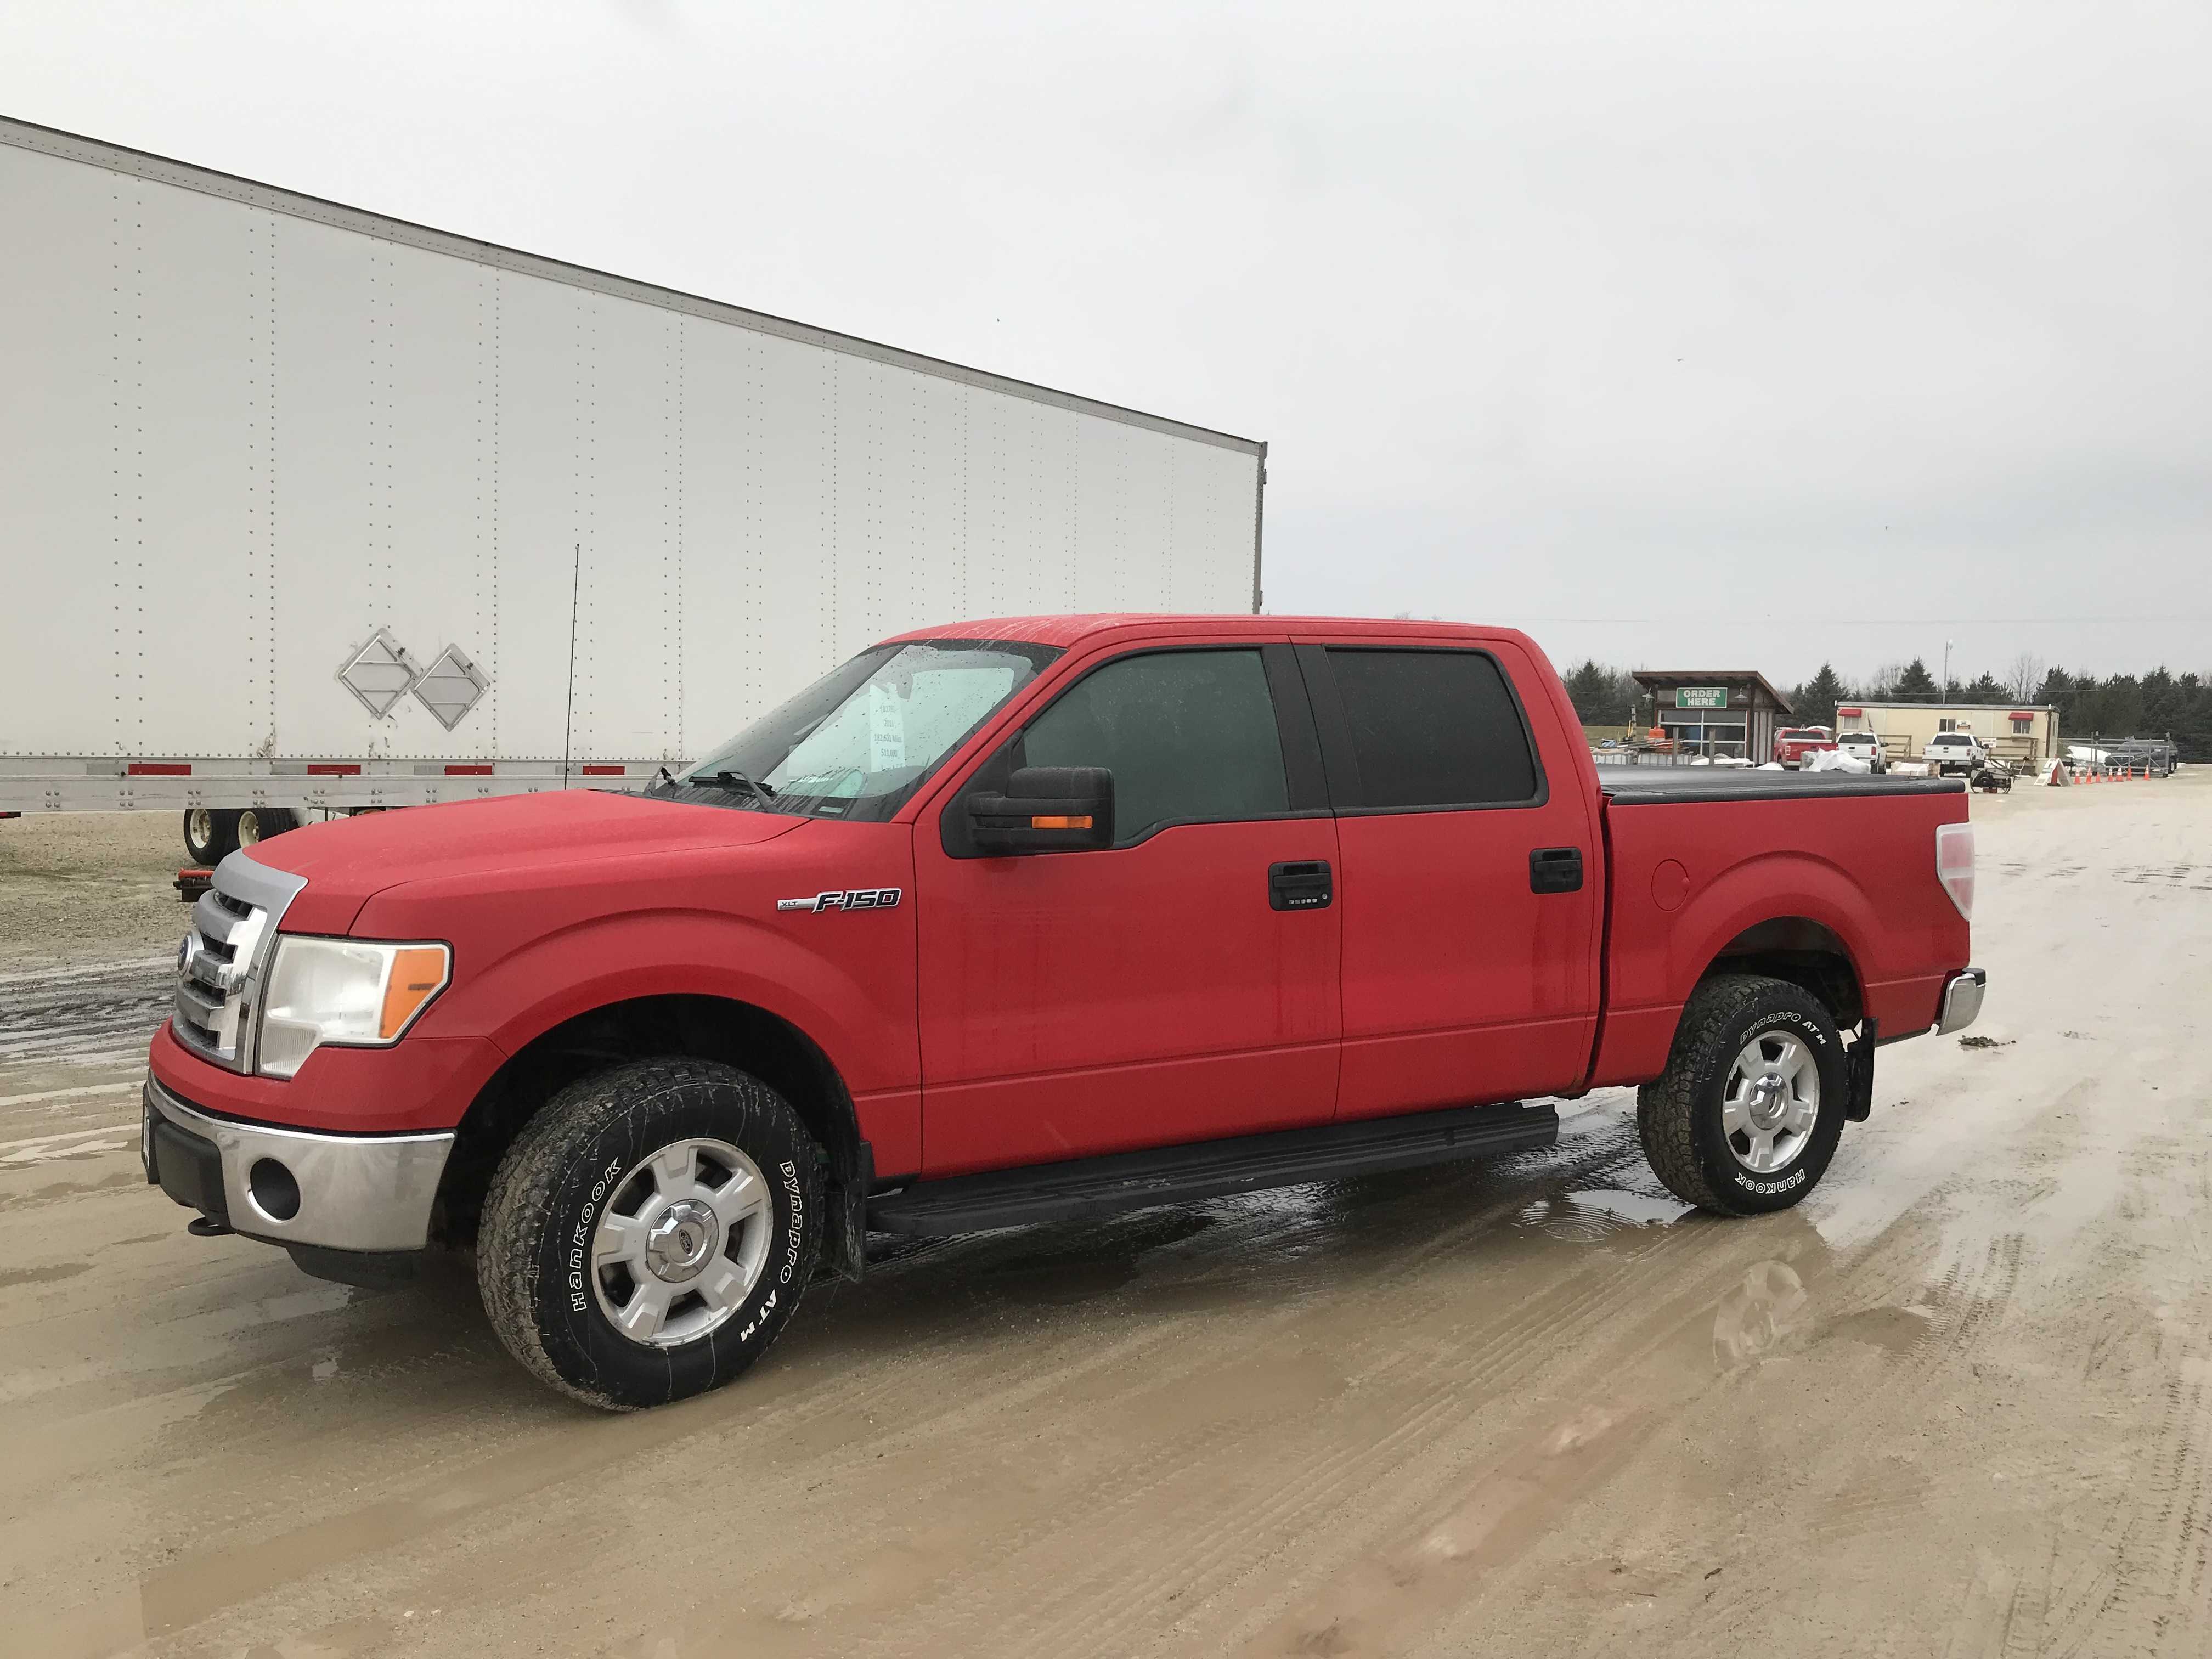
[(1960, 1402), (89, 886)]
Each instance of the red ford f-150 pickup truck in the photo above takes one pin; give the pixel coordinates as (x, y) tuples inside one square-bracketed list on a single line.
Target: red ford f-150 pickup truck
[(1790, 747), (1025, 919)]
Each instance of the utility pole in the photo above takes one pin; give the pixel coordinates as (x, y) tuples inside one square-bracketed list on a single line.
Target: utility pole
[(1947, 673)]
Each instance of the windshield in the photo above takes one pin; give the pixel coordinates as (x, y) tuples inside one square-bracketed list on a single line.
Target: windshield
[(859, 741)]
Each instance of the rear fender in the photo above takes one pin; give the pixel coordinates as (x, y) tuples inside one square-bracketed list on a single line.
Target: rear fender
[(1657, 959), (1769, 887)]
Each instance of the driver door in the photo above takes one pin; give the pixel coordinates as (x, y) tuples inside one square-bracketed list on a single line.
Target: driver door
[(1157, 991)]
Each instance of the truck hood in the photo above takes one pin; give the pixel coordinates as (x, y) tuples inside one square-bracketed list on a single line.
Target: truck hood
[(346, 861)]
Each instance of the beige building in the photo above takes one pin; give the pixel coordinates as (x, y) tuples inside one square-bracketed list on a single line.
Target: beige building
[(2011, 731)]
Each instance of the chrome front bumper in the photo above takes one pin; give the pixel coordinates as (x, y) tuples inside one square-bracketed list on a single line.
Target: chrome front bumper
[(369, 1193), (1962, 999)]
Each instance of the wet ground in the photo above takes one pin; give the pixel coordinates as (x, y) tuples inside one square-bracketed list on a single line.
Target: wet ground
[(1954, 1404)]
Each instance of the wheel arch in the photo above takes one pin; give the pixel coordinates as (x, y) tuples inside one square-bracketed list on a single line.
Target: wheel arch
[(1792, 915), (702, 1026), (1804, 951)]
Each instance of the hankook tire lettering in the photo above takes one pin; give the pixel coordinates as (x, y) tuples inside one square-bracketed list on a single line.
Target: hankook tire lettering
[(579, 1239), (1769, 1188)]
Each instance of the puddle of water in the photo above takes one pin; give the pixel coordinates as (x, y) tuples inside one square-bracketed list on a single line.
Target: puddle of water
[(1760, 1316), (1637, 1209), (1598, 1213), (1772, 1312)]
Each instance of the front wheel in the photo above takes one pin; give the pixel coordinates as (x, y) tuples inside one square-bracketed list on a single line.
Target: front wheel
[(1746, 1116), (649, 1233)]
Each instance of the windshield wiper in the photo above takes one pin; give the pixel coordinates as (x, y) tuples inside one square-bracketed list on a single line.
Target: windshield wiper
[(738, 780), (736, 783)]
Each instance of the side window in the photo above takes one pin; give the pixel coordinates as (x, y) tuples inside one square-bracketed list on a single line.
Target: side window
[(1433, 728), (1187, 734)]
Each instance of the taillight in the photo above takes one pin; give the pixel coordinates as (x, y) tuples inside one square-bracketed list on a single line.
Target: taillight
[(1954, 865)]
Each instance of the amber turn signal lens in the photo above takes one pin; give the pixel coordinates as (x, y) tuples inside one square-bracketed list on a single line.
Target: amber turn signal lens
[(418, 973), (1059, 824)]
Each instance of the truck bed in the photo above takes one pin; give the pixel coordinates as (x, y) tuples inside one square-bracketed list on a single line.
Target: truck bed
[(1688, 786)]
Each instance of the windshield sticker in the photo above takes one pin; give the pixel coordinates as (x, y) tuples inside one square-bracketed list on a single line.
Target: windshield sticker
[(886, 728)]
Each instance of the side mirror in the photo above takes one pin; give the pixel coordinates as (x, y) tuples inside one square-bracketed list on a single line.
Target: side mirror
[(1046, 809)]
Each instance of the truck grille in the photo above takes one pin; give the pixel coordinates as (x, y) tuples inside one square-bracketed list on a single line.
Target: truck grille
[(224, 960)]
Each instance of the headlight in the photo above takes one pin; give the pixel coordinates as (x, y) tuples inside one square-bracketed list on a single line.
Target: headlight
[(350, 991)]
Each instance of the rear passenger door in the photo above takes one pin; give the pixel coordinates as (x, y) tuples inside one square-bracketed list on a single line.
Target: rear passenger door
[(1469, 877), (1178, 985)]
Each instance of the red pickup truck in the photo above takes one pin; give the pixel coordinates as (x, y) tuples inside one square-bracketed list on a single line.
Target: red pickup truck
[(1790, 747), (1024, 920)]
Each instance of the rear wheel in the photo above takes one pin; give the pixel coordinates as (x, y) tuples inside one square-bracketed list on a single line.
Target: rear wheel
[(1746, 1116), (649, 1233), (256, 824), (211, 834)]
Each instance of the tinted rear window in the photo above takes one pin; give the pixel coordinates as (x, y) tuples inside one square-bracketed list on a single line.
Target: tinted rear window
[(1433, 728)]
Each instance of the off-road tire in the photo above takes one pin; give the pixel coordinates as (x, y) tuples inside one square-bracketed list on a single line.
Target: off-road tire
[(542, 1202), (1678, 1115), (219, 840)]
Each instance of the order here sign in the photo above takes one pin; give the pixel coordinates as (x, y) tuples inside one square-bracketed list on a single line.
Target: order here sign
[(1701, 697)]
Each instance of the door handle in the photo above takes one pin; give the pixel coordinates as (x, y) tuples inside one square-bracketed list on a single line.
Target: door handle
[(1300, 884), (1555, 870)]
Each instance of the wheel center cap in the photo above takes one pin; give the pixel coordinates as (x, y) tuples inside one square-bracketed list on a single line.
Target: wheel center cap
[(682, 1242), (1767, 1102)]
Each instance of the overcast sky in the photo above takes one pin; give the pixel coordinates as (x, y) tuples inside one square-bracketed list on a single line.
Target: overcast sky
[(1703, 335)]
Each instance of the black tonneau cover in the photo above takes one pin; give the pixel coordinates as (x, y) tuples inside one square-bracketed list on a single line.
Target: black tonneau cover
[(1675, 785)]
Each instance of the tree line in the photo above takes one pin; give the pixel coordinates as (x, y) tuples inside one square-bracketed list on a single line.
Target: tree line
[(2155, 705)]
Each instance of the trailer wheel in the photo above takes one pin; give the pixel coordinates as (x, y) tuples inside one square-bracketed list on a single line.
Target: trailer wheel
[(650, 1232), (211, 834), (256, 824), (1746, 1116)]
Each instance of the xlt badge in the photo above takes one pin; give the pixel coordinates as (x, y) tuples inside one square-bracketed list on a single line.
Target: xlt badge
[(859, 898)]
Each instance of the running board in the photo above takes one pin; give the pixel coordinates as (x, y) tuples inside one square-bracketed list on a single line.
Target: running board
[(1212, 1168)]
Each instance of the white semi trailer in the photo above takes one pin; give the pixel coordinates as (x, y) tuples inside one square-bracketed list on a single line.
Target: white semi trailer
[(305, 509)]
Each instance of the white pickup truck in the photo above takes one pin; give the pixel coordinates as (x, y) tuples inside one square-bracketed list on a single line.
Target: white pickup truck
[(1954, 751), (1865, 746)]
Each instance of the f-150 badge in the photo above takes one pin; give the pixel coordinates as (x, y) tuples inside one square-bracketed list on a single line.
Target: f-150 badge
[(859, 898)]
